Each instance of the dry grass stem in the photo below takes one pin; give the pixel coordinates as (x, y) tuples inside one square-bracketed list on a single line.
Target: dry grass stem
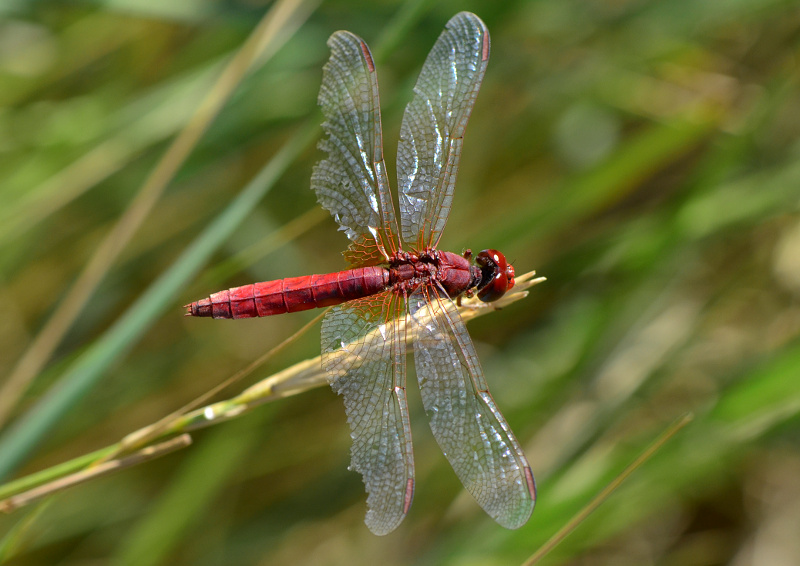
[(601, 497), (144, 455), (296, 379)]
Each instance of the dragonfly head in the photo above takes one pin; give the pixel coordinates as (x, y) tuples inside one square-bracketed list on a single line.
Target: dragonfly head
[(497, 275)]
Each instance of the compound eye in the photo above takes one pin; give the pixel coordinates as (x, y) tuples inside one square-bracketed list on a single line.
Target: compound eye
[(496, 288), (493, 264), (491, 258)]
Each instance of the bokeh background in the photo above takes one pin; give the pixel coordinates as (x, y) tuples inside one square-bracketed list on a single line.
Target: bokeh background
[(640, 154)]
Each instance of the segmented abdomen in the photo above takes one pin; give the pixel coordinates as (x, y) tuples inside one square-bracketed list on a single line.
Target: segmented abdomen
[(292, 294)]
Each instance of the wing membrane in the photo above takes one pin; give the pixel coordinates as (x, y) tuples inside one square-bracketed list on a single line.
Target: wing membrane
[(467, 424), (351, 183), (363, 351), (433, 128)]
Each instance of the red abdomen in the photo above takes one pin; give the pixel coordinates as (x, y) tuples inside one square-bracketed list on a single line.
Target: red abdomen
[(292, 294)]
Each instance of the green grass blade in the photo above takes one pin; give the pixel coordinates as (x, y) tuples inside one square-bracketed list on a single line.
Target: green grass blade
[(21, 438)]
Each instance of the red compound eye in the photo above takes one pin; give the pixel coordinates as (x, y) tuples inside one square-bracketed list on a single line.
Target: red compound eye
[(499, 274)]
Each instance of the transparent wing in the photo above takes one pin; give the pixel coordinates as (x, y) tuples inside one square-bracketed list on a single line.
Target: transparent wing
[(433, 128), (363, 351), (464, 418), (351, 183)]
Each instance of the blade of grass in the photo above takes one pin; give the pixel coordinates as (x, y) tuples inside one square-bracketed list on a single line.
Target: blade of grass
[(14, 539), (601, 497), (21, 438), (95, 471), (272, 31)]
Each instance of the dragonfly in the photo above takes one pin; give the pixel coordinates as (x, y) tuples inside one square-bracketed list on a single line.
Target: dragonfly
[(400, 289)]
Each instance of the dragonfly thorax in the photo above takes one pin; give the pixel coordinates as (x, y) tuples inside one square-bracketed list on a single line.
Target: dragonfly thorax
[(452, 272)]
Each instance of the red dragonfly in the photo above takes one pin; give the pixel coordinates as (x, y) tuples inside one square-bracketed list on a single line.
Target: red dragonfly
[(400, 285)]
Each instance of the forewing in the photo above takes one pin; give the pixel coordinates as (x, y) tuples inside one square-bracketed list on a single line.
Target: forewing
[(433, 128), (363, 351), (464, 418), (351, 182)]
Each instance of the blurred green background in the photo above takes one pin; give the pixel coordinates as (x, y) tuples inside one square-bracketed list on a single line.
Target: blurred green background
[(642, 155)]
